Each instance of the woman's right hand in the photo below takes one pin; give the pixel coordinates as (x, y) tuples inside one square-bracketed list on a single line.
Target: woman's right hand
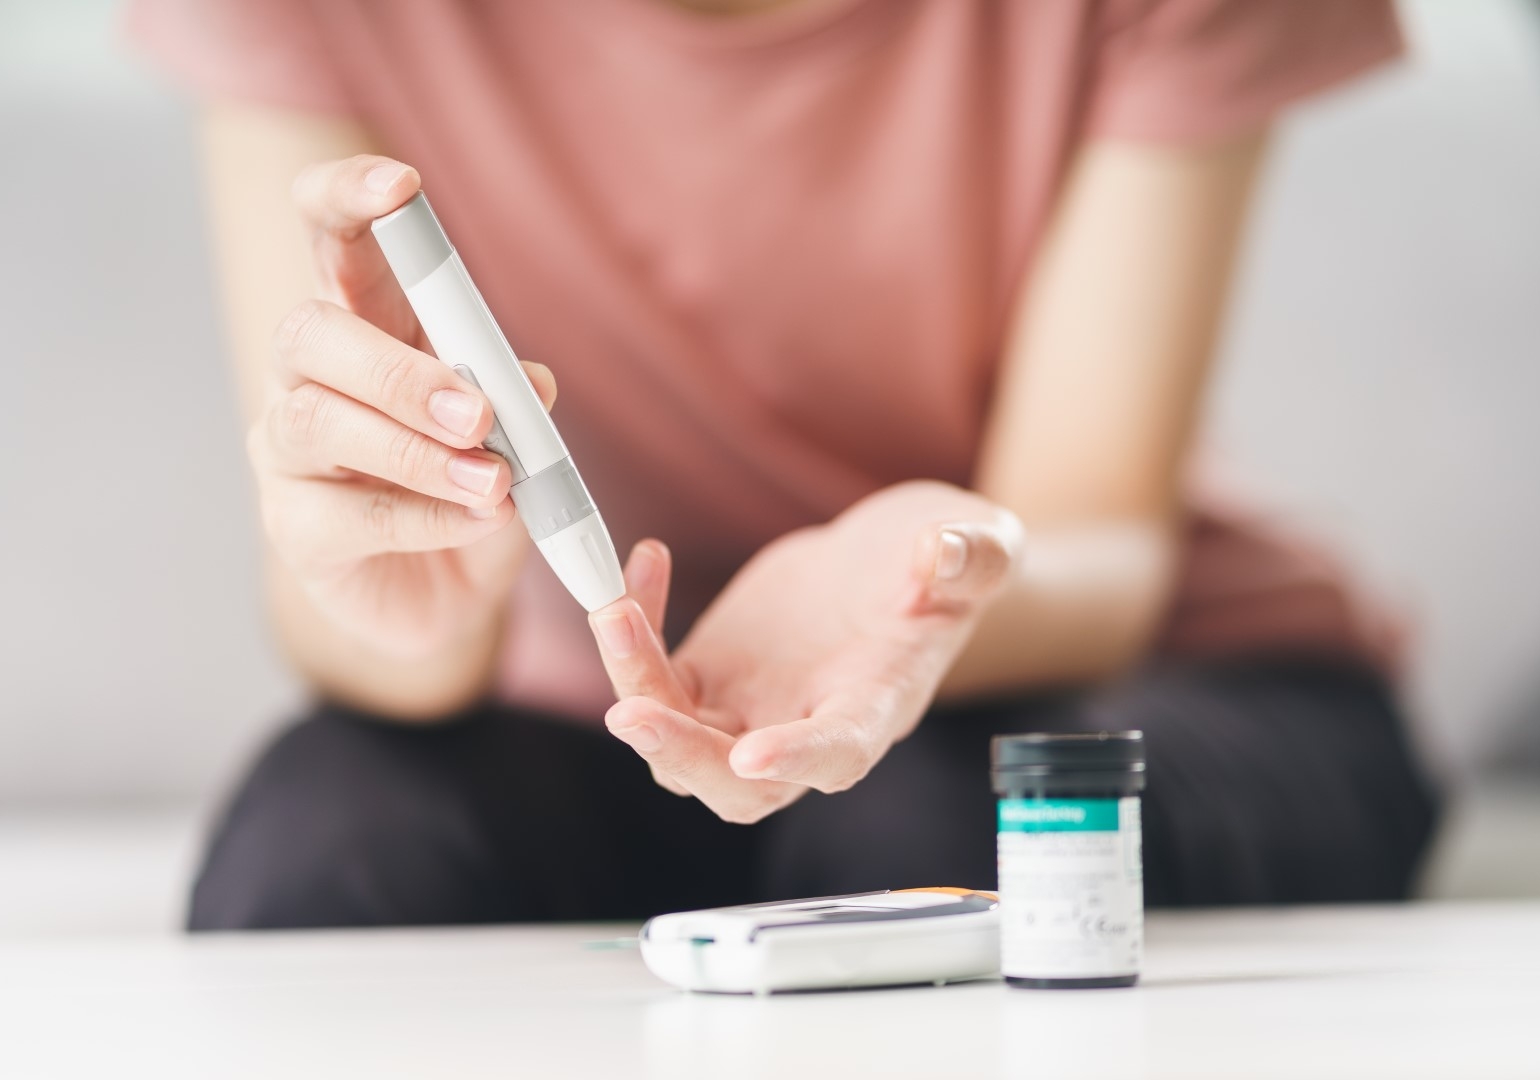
[(375, 491)]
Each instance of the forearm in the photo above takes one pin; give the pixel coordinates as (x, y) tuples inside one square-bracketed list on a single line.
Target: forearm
[(1100, 391), (1081, 605), (413, 688)]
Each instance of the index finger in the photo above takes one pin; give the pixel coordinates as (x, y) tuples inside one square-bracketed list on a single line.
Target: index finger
[(636, 661), (323, 343)]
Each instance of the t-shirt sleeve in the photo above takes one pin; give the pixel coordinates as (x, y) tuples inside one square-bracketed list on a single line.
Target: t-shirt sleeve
[(1190, 70), (270, 52)]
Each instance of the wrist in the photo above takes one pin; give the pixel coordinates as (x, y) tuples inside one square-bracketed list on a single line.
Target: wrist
[(427, 681)]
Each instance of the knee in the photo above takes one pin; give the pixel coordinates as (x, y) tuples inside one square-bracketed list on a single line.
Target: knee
[(342, 821), (1281, 783)]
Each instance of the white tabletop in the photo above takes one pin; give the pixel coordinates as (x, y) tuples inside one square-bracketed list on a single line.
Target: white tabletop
[(1422, 991)]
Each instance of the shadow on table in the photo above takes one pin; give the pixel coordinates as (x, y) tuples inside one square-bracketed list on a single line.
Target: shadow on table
[(1241, 979)]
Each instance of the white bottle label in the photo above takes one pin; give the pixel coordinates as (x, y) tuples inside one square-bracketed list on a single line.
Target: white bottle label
[(1071, 888)]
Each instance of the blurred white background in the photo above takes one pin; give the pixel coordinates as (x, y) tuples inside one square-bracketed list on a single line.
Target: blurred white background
[(1381, 380)]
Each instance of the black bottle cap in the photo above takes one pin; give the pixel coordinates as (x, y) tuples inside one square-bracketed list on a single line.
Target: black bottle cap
[(1121, 751)]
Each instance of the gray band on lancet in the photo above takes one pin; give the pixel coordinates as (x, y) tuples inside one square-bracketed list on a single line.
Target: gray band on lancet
[(552, 499), (412, 241)]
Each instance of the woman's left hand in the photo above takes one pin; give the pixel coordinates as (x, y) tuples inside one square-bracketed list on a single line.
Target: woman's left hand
[(824, 650)]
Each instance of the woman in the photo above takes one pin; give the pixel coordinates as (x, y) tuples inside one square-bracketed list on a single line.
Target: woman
[(890, 320)]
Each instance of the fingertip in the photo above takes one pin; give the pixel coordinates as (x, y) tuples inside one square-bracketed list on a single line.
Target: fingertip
[(387, 180), (626, 713), (959, 565), (615, 628), (482, 514), (637, 573), (642, 565), (544, 382), (646, 575), (636, 732), (344, 195), (940, 554), (630, 713), (753, 758)]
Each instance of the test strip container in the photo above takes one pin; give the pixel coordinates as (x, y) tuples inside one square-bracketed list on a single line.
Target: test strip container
[(1070, 859)]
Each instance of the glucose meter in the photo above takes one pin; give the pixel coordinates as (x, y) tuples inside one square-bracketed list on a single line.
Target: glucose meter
[(936, 935)]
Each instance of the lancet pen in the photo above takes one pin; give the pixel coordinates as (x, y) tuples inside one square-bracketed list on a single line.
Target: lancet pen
[(550, 495)]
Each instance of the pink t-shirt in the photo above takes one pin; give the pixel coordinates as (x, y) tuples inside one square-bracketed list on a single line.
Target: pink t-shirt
[(771, 257)]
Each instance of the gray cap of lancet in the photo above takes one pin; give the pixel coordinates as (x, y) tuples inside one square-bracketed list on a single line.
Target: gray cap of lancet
[(412, 240)]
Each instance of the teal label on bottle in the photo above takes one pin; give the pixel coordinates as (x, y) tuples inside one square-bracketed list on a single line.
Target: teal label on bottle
[(1058, 815)]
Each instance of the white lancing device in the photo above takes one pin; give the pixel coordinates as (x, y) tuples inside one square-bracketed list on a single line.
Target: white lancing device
[(551, 497)]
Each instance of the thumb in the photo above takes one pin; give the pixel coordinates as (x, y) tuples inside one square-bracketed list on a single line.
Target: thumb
[(962, 565), (829, 751), (337, 201)]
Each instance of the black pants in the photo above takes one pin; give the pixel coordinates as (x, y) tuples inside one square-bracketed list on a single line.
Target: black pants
[(1269, 782)]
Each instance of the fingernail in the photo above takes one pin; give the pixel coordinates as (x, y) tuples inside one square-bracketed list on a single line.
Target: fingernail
[(951, 555), (482, 513), (473, 474), (382, 178), (639, 737), (616, 632), (455, 411)]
